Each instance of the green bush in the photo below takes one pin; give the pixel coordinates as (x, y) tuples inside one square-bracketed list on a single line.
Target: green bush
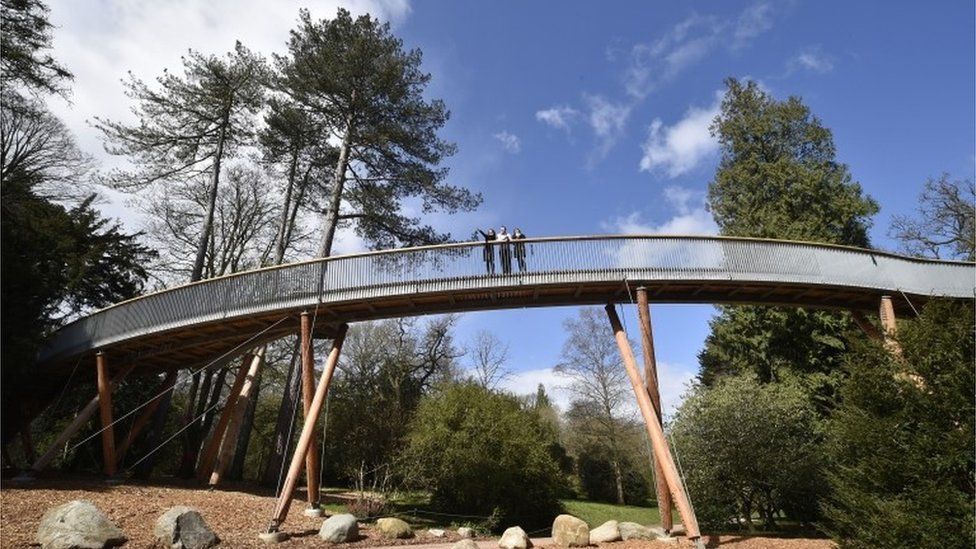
[(901, 442), (749, 448), (483, 453)]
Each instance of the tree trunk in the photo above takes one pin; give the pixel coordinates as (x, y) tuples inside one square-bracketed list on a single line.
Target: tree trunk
[(217, 389), (193, 438), (236, 470), (211, 201), (619, 478), (331, 218), (281, 241), (280, 442), (145, 467)]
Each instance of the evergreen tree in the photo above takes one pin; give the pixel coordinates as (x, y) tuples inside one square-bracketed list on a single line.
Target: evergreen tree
[(366, 92), (901, 446), (779, 178), (25, 37)]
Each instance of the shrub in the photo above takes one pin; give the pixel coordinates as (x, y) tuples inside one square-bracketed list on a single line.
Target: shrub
[(482, 453), (748, 447), (901, 442)]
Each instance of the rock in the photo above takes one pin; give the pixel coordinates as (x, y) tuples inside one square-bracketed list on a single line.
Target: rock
[(271, 538), (436, 533), (465, 543), (607, 532), (514, 538), (340, 529), (569, 531), (632, 530), (182, 527), (393, 528), (78, 525), (465, 532)]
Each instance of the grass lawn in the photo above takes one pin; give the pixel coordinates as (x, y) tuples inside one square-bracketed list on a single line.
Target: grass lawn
[(596, 513)]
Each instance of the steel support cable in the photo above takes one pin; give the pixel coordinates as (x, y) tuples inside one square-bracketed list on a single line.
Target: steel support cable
[(175, 385)]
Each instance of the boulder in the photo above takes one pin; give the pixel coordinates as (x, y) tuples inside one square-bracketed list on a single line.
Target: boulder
[(182, 527), (465, 532), (79, 525), (632, 530), (514, 538), (569, 531), (465, 543), (340, 529), (607, 532), (393, 528), (436, 532)]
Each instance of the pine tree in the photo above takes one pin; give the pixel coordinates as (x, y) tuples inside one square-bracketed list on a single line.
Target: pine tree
[(779, 178), (355, 78)]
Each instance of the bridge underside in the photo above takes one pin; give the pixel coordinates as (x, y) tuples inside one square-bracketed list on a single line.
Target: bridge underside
[(224, 340)]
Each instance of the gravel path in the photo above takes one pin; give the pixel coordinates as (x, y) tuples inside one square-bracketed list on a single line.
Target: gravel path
[(238, 512)]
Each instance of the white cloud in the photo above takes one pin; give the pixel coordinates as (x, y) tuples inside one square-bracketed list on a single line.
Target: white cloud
[(527, 382), (680, 148), (510, 142), (607, 120), (559, 117), (755, 20), (811, 59), (100, 41), (653, 64), (690, 216)]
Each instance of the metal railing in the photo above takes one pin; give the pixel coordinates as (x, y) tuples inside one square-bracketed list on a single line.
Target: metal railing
[(460, 267)]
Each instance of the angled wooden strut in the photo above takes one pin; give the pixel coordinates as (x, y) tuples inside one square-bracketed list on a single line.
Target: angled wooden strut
[(209, 454), (229, 443), (308, 394), (143, 420), (662, 452), (650, 377), (304, 440), (80, 420)]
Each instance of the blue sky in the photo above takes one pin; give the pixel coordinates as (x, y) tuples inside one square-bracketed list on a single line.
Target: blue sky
[(583, 118)]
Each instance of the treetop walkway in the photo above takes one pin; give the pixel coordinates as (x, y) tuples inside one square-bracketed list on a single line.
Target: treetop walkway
[(186, 325)]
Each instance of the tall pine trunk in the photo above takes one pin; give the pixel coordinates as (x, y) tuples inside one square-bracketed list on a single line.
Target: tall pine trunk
[(236, 469), (331, 217), (160, 415)]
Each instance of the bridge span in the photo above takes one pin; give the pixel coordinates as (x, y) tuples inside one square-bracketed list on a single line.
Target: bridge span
[(189, 325)]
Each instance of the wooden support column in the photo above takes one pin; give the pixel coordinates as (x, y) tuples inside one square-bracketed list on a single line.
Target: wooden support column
[(229, 444), (298, 458), (888, 325), (308, 393), (80, 420), (210, 451), (650, 378), (140, 423), (654, 430), (105, 412)]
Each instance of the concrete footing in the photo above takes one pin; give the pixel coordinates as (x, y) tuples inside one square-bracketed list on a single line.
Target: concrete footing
[(273, 537), (313, 512)]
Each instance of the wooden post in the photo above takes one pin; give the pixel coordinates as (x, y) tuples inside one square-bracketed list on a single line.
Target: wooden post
[(308, 393), (298, 459), (888, 325), (229, 444), (105, 411), (210, 451), (140, 423), (80, 420), (653, 423), (650, 377)]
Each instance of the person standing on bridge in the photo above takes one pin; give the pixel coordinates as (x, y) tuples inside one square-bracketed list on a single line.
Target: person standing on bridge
[(489, 252), (505, 250), (517, 238)]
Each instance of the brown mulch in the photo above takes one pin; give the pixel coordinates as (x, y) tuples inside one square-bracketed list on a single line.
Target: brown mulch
[(237, 513)]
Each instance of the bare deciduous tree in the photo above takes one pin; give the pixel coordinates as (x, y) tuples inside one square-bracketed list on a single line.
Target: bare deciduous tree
[(598, 381), (487, 356), (945, 226)]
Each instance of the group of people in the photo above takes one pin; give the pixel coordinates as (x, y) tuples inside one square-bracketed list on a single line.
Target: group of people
[(507, 243)]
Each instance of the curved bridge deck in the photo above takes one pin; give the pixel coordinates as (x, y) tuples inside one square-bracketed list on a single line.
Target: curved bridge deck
[(188, 325)]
